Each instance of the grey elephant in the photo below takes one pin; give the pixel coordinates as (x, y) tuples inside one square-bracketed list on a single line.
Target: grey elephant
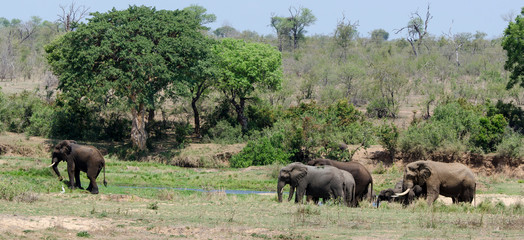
[(454, 180), (79, 158), (363, 179), (395, 194), (317, 182)]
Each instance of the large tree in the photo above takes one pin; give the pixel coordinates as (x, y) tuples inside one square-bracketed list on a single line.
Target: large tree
[(513, 43), (131, 54), (246, 67)]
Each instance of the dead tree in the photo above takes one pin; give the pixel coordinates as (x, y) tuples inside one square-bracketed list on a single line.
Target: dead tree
[(71, 15), (417, 30)]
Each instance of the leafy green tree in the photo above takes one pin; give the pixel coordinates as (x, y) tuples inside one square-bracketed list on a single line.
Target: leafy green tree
[(344, 34), (131, 54), (294, 26), (379, 35), (514, 45), (245, 68)]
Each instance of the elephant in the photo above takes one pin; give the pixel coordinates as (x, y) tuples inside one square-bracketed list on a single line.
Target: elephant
[(349, 191), (361, 175), (317, 182), (79, 158), (392, 194), (453, 180)]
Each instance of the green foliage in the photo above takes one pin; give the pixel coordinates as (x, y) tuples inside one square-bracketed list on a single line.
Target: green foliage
[(18, 109), (453, 128), (514, 114), (246, 67), (489, 133), (83, 234), (388, 135), (263, 151), (511, 146), (224, 133), (514, 46), (131, 55)]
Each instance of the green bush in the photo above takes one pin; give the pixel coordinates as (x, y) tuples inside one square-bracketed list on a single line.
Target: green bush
[(513, 113), (380, 108), (388, 137), (18, 109), (40, 121), (512, 145), (455, 126), (224, 133), (489, 133), (264, 151)]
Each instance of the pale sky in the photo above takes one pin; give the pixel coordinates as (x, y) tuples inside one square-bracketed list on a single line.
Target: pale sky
[(459, 15)]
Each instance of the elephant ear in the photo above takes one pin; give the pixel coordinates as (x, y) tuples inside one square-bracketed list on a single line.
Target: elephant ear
[(298, 173), (65, 146), (424, 172)]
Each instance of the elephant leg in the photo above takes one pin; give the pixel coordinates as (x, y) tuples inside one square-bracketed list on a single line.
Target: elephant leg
[(77, 179), (300, 194), (71, 174), (92, 174), (432, 195)]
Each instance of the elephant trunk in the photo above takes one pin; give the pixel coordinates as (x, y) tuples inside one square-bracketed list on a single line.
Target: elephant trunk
[(280, 188)]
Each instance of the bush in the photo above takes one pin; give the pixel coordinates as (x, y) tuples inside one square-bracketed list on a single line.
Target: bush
[(380, 108), (489, 133), (261, 152), (388, 137), (511, 146), (40, 121), (224, 133), (454, 127)]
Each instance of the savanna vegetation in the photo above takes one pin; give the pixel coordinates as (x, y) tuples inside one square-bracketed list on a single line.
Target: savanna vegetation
[(147, 93), (290, 97)]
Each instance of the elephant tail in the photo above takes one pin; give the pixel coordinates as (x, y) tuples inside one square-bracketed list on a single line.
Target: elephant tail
[(105, 182)]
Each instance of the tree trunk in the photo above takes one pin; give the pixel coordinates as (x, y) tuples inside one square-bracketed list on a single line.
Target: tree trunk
[(196, 116), (138, 129), (241, 117)]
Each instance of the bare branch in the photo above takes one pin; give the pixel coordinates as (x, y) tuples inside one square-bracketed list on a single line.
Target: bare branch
[(71, 15)]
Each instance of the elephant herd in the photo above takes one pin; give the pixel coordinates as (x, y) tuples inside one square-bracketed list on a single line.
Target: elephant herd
[(351, 182), (345, 182)]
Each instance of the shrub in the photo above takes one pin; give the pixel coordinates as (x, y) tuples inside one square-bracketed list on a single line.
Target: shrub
[(40, 121), (381, 108), (261, 152), (512, 145), (224, 133), (489, 133), (513, 113), (388, 137)]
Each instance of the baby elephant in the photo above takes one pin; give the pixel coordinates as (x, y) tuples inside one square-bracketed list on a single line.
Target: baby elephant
[(396, 195), (79, 158)]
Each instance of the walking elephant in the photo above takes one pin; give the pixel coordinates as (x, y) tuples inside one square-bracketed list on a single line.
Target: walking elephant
[(317, 182), (79, 158), (453, 180), (362, 177)]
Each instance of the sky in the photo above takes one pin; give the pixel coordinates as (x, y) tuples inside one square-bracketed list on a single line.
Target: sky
[(449, 16)]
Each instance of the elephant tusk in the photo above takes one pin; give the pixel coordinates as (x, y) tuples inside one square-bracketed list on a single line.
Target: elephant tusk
[(401, 194), (51, 165)]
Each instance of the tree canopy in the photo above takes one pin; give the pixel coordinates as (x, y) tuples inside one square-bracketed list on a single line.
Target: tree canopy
[(131, 54), (513, 43), (244, 67)]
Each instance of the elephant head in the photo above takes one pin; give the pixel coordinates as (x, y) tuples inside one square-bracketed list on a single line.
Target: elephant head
[(60, 153), (416, 173), (292, 175)]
